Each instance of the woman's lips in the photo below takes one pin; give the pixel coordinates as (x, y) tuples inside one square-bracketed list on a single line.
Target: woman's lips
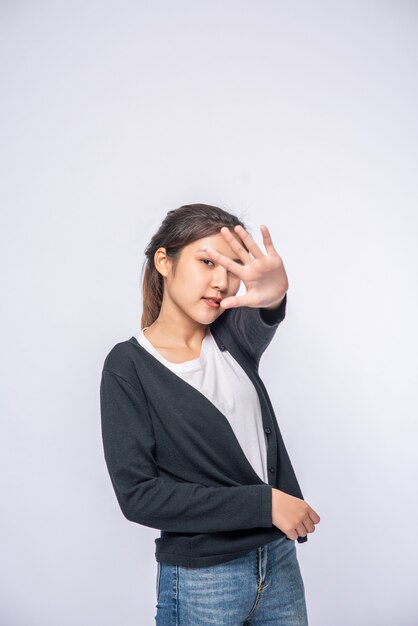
[(214, 305)]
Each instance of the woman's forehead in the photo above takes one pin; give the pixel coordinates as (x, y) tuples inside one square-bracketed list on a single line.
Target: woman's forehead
[(216, 241)]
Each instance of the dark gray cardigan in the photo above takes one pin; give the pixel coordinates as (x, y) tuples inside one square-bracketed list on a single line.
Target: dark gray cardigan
[(173, 458)]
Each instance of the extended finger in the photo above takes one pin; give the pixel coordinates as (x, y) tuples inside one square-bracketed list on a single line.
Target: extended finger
[(268, 242), (237, 246), (229, 264), (249, 241)]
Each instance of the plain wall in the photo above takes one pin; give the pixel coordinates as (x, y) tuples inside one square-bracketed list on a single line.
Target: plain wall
[(299, 115)]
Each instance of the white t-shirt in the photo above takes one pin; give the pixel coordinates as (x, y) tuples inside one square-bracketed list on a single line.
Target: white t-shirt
[(222, 380)]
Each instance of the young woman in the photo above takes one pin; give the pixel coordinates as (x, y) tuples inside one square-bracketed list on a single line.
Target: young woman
[(191, 440)]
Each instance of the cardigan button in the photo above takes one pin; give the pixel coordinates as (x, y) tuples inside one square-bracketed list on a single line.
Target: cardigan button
[(267, 430), (272, 469)]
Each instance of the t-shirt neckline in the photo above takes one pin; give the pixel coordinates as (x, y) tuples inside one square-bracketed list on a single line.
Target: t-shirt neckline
[(184, 365)]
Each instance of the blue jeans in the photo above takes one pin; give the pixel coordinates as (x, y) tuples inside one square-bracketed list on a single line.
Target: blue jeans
[(264, 586)]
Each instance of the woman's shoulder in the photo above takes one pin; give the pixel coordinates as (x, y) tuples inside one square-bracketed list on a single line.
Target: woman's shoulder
[(123, 358)]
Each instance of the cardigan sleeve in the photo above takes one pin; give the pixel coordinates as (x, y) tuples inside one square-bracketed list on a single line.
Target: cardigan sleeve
[(158, 501), (253, 328)]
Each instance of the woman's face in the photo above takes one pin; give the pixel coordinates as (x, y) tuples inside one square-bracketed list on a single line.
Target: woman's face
[(197, 277)]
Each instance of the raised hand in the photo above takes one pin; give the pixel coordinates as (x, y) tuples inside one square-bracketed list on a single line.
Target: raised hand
[(263, 275)]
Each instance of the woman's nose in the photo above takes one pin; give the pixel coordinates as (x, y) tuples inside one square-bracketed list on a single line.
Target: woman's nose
[(220, 278)]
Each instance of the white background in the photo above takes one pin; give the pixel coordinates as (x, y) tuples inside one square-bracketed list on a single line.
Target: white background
[(300, 115)]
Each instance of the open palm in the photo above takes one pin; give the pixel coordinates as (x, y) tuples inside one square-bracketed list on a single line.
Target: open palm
[(263, 275)]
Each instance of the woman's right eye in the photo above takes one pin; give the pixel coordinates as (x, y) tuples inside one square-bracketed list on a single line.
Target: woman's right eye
[(204, 261)]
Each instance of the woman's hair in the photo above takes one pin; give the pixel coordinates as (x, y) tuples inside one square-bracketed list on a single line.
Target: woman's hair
[(179, 228)]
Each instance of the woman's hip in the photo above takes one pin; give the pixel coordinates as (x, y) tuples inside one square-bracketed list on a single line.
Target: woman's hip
[(258, 587)]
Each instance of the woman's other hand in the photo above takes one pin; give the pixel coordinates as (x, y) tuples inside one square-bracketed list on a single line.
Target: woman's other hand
[(292, 515)]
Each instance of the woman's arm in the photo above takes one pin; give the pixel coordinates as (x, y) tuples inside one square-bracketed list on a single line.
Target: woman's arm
[(158, 501), (253, 328), (254, 316)]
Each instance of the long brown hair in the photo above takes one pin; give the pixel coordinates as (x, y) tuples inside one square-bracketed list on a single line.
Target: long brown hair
[(179, 228)]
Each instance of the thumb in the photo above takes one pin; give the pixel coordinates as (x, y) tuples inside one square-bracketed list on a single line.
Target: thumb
[(233, 301)]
